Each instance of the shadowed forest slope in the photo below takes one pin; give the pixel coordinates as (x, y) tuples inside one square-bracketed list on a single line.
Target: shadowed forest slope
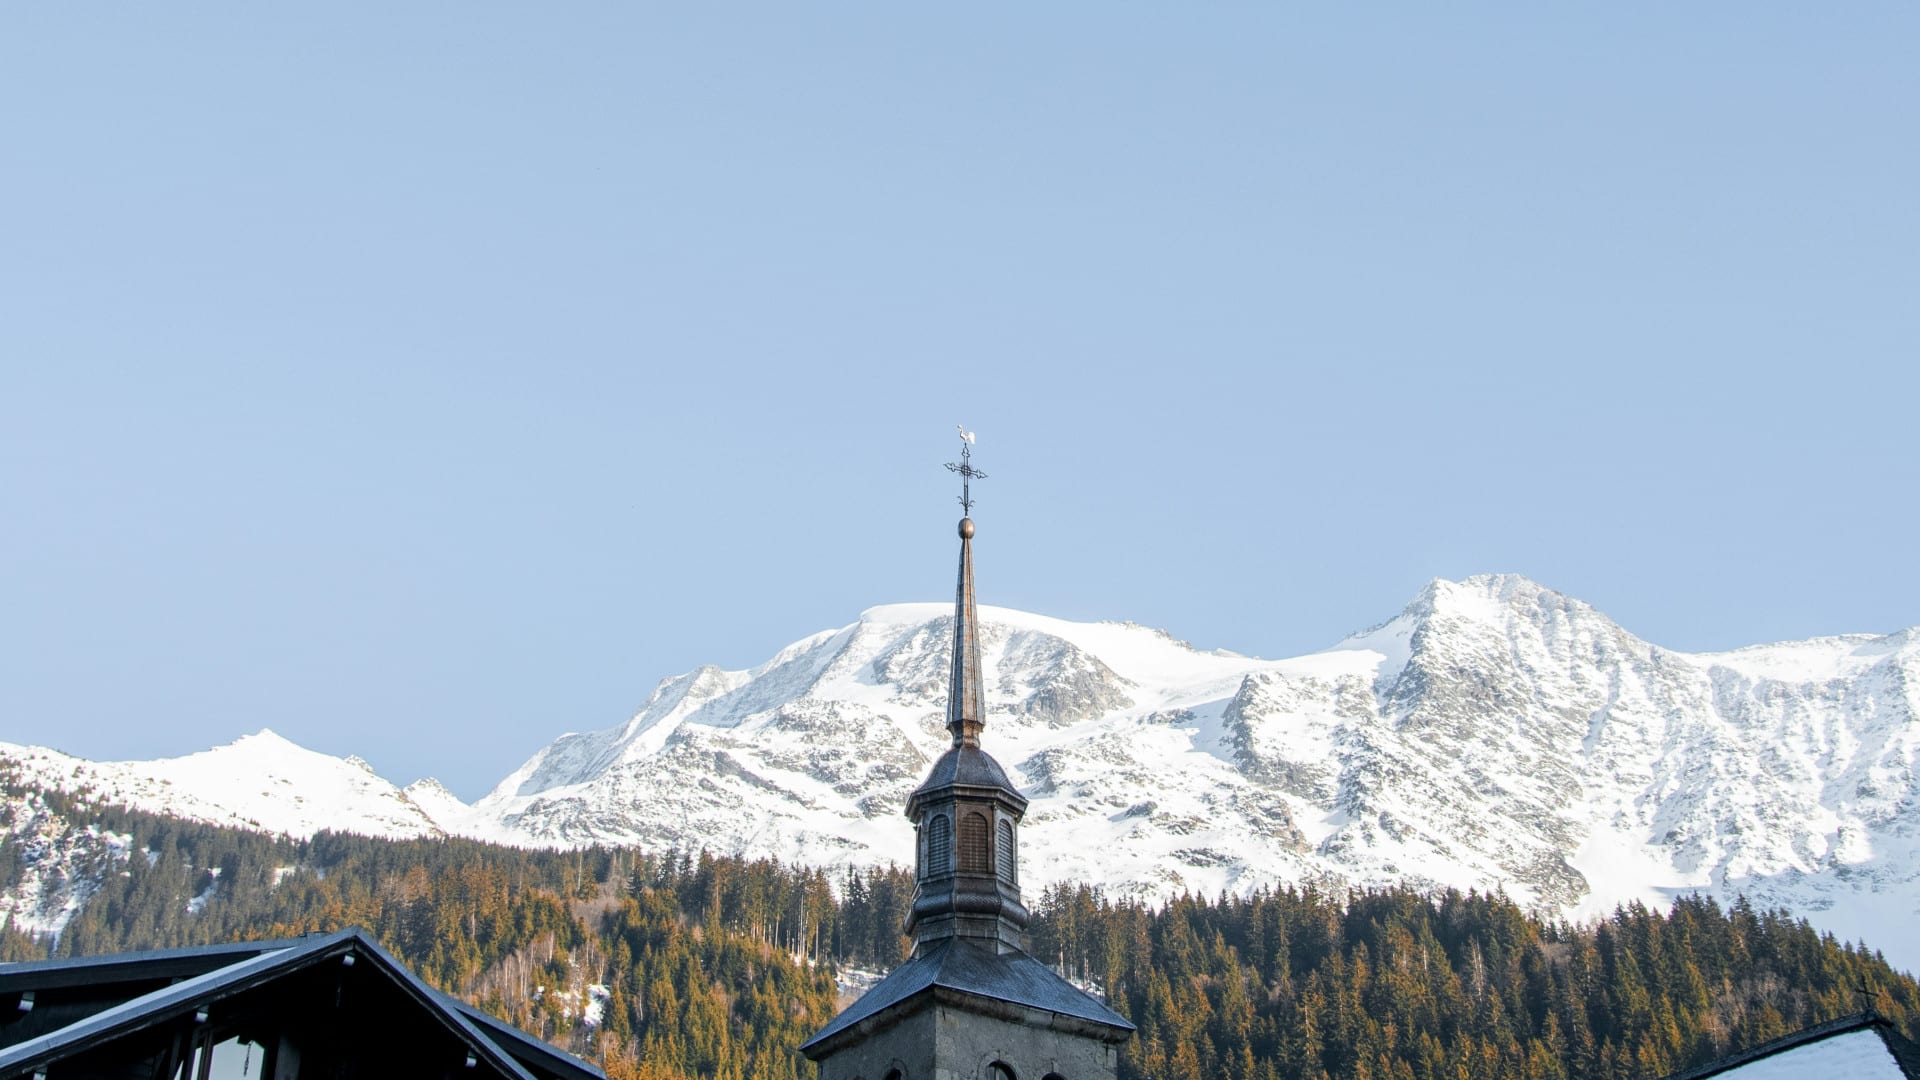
[(675, 964)]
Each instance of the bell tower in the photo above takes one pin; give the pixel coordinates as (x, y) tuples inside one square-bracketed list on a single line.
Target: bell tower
[(966, 815), (969, 1004)]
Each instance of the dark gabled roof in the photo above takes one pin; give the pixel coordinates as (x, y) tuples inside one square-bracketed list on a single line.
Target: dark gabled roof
[(1906, 1056), (150, 1008), (967, 969), (523, 1045), (120, 967), (247, 965)]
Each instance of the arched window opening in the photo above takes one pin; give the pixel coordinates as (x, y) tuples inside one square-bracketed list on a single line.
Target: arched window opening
[(1053, 1076), (1000, 1070), (974, 857), (1003, 858), (894, 1074), (939, 847)]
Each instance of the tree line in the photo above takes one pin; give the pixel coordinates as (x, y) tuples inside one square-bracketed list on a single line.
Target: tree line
[(663, 965), (1394, 984)]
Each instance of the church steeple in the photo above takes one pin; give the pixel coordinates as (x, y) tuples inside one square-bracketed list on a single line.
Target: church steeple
[(970, 1002), (967, 813)]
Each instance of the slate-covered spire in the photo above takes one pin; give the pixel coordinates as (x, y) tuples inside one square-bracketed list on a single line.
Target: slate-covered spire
[(966, 701)]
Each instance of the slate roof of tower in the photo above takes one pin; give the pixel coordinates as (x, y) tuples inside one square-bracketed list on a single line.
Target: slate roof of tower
[(956, 965), (967, 766)]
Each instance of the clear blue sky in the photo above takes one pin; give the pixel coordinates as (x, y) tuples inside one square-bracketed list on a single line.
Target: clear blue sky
[(424, 380)]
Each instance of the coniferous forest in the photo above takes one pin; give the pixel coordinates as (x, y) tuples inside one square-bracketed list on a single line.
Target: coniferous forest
[(670, 964)]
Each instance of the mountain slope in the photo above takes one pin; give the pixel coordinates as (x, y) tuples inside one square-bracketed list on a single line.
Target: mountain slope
[(1494, 734)]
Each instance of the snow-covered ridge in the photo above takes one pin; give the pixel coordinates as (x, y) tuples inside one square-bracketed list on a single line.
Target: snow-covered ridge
[(1493, 734), (260, 781)]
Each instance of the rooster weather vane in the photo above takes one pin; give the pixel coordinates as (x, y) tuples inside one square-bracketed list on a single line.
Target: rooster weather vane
[(968, 474)]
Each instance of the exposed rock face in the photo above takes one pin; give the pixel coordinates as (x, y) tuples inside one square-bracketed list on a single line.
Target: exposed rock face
[(57, 865), (1495, 734), (1048, 679)]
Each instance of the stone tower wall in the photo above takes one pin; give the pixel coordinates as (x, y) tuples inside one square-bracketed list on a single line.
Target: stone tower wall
[(945, 1043)]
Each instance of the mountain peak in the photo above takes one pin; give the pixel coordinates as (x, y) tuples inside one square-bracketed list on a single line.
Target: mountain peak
[(1504, 584), (1502, 588), (265, 738), (1492, 599)]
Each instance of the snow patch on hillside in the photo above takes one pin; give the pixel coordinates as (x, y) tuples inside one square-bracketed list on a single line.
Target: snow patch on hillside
[(60, 865)]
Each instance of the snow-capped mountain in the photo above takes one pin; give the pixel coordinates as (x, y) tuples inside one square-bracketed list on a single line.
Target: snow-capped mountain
[(1494, 734), (261, 781)]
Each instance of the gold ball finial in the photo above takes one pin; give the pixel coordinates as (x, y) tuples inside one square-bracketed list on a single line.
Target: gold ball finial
[(966, 528)]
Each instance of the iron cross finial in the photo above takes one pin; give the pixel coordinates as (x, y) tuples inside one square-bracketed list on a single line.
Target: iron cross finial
[(968, 474)]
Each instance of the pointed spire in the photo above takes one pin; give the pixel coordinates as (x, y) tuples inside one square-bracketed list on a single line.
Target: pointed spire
[(966, 699)]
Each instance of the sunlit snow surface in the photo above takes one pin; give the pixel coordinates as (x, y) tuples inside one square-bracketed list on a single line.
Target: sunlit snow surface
[(1494, 734)]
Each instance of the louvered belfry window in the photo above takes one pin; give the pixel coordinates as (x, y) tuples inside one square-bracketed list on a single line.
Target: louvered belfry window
[(1003, 853), (973, 845), (939, 847)]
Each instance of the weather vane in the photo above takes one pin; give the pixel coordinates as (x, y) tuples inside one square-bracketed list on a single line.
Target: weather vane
[(968, 474)]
